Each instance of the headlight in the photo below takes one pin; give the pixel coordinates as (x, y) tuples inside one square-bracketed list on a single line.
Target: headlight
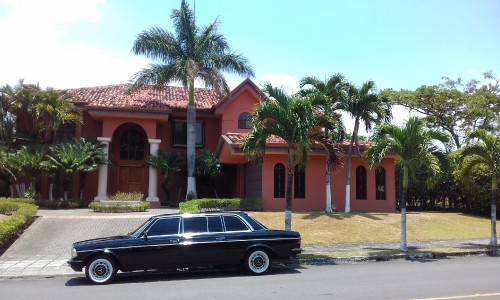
[(73, 253)]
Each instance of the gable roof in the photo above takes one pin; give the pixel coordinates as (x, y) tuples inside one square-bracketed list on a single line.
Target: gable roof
[(162, 98)]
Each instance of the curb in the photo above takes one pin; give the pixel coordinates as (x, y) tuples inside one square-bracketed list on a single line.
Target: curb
[(414, 256)]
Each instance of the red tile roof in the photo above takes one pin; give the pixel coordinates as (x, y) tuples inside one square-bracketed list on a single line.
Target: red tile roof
[(147, 97), (237, 139)]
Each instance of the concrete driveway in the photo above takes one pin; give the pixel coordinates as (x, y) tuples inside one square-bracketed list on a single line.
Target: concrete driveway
[(44, 248)]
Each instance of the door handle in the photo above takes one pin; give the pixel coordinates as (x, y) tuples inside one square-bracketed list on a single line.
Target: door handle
[(220, 238), (174, 241)]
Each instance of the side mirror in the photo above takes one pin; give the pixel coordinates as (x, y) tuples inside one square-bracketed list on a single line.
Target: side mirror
[(146, 235)]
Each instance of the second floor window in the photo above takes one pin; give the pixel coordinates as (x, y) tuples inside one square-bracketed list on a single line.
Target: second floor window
[(180, 133), (245, 121)]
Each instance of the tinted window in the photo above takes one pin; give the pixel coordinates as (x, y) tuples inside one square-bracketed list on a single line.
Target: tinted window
[(214, 224), (233, 223), (195, 225), (165, 226), (255, 224)]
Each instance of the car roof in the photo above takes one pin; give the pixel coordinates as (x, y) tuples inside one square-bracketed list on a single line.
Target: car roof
[(208, 213)]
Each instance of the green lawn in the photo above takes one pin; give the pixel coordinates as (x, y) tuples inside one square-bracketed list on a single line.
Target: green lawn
[(340, 228)]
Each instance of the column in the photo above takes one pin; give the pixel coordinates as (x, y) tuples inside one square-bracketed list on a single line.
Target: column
[(153, 176), (102, 187)]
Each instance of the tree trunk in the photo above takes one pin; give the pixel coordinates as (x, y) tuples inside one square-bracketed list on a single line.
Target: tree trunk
[(328, 208), (403, 247), (288, 196), (494, 187), (191, 145), (349, 163)]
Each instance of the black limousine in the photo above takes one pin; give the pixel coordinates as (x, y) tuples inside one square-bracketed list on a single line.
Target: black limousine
[(180, 241)]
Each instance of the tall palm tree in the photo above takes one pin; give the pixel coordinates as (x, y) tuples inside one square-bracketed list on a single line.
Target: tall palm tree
[(293, 119), (485, 152), (364, 105), (168, 163), (332, 89), (190, 53), (417, 148)]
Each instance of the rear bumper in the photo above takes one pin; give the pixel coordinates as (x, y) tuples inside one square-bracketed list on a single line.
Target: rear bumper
[(296, 251), (76, 265)]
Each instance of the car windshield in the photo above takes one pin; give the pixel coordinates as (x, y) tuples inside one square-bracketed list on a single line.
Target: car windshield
[(136, 233)]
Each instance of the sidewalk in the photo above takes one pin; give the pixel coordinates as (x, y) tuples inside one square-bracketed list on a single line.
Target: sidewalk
[(44, 248)]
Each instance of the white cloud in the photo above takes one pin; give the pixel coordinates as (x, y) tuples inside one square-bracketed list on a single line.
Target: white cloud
[(36, 49)]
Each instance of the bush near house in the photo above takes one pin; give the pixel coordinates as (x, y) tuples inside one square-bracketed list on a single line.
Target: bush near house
[(208, 204), (119, 207), (20, 213)]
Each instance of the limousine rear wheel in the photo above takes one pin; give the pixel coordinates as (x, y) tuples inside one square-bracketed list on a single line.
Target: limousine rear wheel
[(257, 261), (101, 269)]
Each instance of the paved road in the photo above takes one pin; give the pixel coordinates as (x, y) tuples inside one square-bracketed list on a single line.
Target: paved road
[(464, 277)]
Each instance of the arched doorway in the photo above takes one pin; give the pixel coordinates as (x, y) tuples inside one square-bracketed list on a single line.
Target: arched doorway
[(128, 154)]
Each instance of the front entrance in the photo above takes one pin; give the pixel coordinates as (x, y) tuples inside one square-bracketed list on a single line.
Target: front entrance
[(131, 179)]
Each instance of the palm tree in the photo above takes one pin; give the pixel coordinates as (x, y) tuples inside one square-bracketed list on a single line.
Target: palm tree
[(417, 148), (76, 157), (7, 168), (294, 120), (53, 110), (190, 53), (30, 163), (168, 163), (332, 89), (486, 152), (363, 104)]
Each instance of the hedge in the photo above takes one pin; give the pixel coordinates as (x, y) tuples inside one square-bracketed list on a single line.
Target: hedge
[(118, 207), (208, 204), (21, 212)]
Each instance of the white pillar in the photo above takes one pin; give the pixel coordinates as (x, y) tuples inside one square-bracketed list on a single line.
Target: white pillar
[(153, 173), (102, 187)]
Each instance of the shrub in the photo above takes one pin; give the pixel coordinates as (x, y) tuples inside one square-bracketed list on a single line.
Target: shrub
[(59, 203), (131, 196), (22, 214), (220, 204), (118, 207)]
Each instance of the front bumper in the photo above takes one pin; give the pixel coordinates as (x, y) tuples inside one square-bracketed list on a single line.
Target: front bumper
[(76, 265)]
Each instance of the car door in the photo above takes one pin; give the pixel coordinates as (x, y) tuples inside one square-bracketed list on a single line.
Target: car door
[(238, 238), (160, 245), (203, 241)]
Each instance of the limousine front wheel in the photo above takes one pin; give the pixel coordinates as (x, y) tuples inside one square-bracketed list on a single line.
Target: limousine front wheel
[(101, 269), (257, 261)]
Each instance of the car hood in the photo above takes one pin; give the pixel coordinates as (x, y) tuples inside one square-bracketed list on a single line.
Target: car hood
[(100, 242)]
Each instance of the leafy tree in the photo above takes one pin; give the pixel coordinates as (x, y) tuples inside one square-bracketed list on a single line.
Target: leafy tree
[(189, 53), (76, 157), (7, 167), (417, 149), (332, 89), (485, 152), (168, 163), (207, 168), (295, 121), (7, 119), (364, 105), (453, 107)]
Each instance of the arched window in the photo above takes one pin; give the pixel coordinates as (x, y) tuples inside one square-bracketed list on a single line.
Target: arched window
[(245, 121), (380, 183), (361, 183), (299, 186), (132, 145), (279, 181)]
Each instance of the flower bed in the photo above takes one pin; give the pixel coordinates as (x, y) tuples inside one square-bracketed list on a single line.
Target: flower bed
[(21, 213)]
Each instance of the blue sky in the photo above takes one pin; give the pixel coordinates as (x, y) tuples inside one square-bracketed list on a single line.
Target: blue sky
[(398, 44)]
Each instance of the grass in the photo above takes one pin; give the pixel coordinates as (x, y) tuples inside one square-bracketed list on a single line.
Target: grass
[(339, 228)]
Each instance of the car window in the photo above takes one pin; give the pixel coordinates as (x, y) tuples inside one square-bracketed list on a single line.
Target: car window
[(214, 224), (165, 226), (234, 223), (195, 225), (254, 223)]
